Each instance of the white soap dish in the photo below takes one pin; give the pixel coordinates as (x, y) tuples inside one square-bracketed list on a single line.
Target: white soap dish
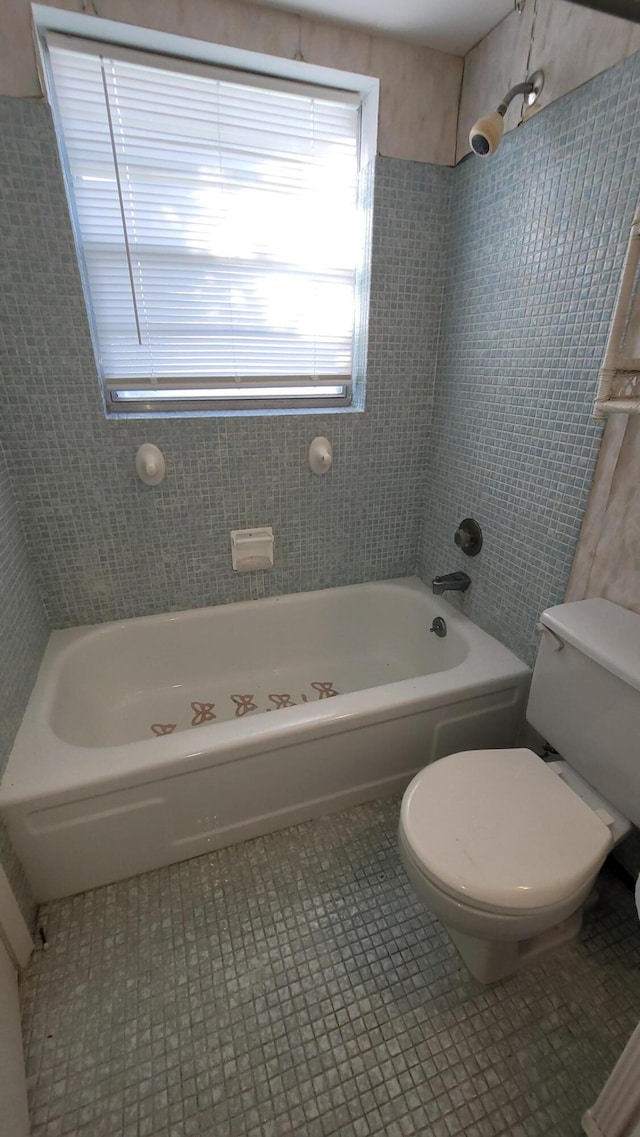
[(251, 549)]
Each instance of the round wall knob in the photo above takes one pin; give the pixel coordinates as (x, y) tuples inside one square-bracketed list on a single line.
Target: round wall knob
[(468, 537), (150, 464), (320, 455)]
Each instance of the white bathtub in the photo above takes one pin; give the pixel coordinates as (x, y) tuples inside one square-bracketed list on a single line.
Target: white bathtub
[(95, 791)]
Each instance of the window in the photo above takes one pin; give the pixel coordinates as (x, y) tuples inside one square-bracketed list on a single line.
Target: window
[(218, 228)]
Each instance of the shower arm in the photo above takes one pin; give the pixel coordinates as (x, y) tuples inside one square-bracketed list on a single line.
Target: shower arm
[(519, 89)]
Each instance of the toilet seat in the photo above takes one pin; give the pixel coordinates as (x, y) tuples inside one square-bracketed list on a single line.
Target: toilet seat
[(500, 831)]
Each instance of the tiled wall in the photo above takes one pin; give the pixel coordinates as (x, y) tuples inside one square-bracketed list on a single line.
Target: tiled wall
[(23, 635), (105, 546), (537, 238)]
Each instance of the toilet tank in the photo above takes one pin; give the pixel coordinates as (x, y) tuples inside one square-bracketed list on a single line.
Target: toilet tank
[(585, 695)]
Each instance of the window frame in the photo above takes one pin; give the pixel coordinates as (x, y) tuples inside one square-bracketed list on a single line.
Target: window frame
[(200, 57)]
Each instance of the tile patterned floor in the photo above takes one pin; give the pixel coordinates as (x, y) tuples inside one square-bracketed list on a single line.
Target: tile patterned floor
[(292, 985)]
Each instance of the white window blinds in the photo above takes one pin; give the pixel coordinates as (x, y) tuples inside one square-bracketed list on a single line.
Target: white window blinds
[(217, 222)]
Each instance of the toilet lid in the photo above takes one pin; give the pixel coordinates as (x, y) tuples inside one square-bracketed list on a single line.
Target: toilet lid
[(501, 830)]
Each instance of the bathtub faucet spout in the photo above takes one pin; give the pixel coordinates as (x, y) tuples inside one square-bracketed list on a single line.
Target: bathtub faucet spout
[(452, 582)]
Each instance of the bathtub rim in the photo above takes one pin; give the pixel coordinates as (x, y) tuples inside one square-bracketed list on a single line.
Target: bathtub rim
[(68, 768)]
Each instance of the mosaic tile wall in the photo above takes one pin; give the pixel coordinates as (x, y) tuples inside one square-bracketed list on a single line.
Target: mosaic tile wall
[(537, 238), (23, 636), (103, 545)]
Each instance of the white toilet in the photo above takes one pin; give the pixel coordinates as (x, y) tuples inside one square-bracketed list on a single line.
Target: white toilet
[(504, 847)]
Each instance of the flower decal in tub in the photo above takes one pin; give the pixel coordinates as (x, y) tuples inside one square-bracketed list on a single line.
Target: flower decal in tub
[(244, 704), (280, 701), (202, 712), (325, 690)]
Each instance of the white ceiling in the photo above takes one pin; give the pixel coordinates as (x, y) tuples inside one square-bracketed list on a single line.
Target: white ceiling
[(449, 25)]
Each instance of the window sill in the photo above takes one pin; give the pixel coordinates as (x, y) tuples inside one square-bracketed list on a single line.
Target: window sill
[(271, 412)]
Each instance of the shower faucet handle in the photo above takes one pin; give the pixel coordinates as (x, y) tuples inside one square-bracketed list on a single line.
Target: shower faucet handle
[(463, 539), (468, 537)]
